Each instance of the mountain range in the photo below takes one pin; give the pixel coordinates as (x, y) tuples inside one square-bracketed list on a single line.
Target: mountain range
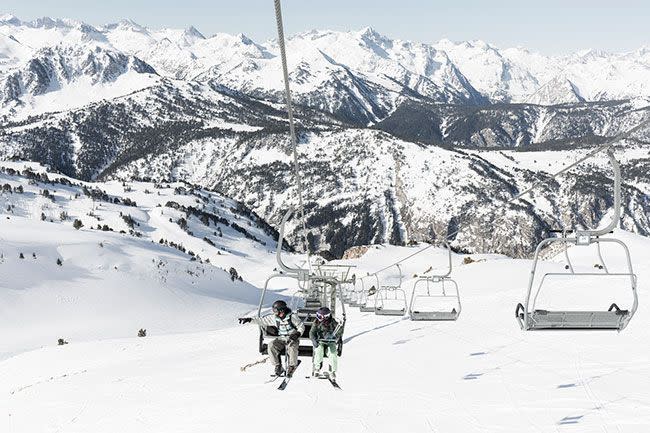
[(398, 140)]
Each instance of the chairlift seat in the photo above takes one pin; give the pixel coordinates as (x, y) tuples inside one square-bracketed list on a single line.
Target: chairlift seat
[(578, 320), (302, 312), (367, 308), (390, 312), (305, 346), (434, 315), (312, 303)]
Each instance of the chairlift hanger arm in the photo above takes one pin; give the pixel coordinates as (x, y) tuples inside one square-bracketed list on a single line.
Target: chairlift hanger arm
[(278, 255)]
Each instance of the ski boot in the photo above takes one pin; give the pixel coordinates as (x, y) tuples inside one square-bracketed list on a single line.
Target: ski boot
[(290, 370), (279, 371)]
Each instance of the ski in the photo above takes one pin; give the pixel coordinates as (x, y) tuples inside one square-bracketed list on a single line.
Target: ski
[(334, 384), (286, 380), (272, 379), (284, 383), (325, 377)]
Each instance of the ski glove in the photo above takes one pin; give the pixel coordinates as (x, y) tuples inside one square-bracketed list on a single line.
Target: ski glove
[(244, 320), (295, 336)]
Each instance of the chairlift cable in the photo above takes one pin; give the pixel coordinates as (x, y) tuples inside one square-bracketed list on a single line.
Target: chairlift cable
[(292, 128), (608, 144)]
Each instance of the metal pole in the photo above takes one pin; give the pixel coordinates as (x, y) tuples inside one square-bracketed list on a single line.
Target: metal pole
[(617, 198)]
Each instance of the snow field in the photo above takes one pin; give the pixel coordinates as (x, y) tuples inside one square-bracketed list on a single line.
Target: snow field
[(479, 374)]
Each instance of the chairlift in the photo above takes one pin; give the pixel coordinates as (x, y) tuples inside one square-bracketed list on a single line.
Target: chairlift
[(391, 300), (367, 298), (317, 289), (342, 274), (531, 318), (349, 294), (436, 297), (356, 295)]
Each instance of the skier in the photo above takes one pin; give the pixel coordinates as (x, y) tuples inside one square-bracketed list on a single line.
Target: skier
[(325, 334), (290, 328)]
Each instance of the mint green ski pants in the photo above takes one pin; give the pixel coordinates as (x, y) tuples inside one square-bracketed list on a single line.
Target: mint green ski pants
[(319, 354)]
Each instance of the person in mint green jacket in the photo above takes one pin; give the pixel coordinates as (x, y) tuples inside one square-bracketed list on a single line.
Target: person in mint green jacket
[(325, 334)]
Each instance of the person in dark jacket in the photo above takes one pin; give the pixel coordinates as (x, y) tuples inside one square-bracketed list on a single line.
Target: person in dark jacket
[(325, 334)]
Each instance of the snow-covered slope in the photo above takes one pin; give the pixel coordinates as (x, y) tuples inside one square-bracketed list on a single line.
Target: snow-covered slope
[(365, 186), (54, 65), (495, 74), (96, 260), (479, 374)]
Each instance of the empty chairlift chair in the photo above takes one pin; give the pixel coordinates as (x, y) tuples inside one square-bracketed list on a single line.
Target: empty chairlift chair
[(342, 274), (390, 300), (356, 293), (350, 294), (611, 317), (367, 296), (436, 297)]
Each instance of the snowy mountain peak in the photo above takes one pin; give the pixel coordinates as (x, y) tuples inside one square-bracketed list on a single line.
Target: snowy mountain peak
[(9, 19), (559, 90), (51, 23), (482, 46), (192, 31), (370, 32), (126, 25), (591, 53), (245, 39)]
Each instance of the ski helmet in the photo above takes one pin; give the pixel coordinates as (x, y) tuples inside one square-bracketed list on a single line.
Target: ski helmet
[(323, 314), (279, 306)]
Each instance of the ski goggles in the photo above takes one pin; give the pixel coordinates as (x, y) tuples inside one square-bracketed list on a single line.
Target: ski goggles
[(320, 316)]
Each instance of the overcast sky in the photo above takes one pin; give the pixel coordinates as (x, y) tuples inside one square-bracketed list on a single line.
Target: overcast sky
[(549, 26)]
